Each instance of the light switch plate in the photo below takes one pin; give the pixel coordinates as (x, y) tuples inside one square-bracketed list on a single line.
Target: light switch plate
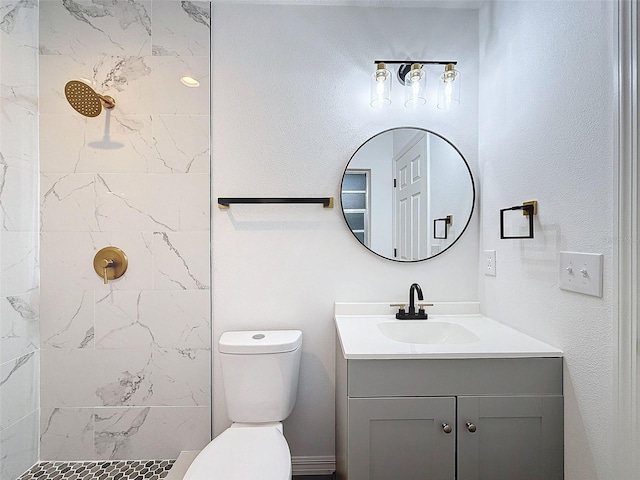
[(581, 272), (490, 263)]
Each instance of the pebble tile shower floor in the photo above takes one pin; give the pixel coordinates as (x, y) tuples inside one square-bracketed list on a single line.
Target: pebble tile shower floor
[(105, 470)]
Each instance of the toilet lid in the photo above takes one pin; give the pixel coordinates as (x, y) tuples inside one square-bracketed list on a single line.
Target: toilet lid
[(243, 453)]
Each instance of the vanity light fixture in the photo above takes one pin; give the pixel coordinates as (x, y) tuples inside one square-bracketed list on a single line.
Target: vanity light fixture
[(415, 87), (412, 74), (380, 87), (449, 88)]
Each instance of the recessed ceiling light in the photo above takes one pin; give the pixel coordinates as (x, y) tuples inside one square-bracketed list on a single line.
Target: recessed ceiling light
[(190, 81)]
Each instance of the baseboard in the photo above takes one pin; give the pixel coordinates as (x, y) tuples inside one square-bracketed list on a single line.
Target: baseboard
[(313, 465), (299, 465)]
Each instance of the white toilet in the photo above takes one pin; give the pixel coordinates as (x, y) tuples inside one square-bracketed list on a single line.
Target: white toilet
[(260, 377)]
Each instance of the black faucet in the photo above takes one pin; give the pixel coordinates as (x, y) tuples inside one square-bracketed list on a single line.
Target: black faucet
[(412, 314), (412, 289)]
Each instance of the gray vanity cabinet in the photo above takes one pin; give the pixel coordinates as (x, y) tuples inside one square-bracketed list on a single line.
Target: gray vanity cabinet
[(393, 418), (510, 437), (402, 437)]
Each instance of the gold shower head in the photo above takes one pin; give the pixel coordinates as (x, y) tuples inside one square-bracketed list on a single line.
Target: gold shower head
[(85, 100)]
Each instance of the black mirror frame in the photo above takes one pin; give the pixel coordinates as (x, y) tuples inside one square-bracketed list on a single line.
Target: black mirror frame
[(473, 201)]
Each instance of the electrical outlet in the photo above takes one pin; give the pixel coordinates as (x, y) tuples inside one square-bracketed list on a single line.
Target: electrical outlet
[(581, 272), (490, 263)]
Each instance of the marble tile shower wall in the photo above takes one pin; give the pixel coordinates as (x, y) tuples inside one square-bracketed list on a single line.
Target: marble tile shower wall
[(19, 344), (125, 366)]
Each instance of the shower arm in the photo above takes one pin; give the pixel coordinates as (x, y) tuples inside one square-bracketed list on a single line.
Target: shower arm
[(107, 101)]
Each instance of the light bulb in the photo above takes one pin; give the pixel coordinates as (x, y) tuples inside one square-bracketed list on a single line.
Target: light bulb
[(415, 86), (449, 88), (380, 87)]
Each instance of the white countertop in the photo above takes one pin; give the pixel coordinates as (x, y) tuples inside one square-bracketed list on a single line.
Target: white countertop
[(360, 337)]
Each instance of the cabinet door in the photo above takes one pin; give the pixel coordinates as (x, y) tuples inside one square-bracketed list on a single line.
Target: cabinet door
[(515, 438), (401, 438)]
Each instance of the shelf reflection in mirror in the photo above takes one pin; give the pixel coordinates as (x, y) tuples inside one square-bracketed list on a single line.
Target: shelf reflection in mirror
[(394, 187)]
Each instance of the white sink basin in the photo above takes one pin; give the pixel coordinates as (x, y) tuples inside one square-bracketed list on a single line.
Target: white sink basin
[(369, 331), (426, 332)]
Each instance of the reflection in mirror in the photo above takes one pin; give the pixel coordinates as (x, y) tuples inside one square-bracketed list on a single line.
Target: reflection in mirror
[(441, 227), (407, 194), (355, 201)]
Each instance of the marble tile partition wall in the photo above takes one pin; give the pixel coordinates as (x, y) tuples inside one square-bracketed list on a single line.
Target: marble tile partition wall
[(125, 366), (19, 343)]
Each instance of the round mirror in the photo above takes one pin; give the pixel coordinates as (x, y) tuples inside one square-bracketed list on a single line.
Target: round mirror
[(407, 194)]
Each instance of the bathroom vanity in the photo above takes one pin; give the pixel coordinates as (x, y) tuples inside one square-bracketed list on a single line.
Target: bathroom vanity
[(485, 404)]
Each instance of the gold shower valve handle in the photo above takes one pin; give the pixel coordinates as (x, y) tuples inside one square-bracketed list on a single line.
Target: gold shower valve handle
[(106, 264), (110, 263)]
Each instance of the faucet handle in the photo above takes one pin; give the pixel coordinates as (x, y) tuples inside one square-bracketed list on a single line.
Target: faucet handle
[(421, 309), (402, 307)]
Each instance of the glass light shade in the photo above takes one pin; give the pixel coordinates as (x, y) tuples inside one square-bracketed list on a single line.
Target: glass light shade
[(449, 88), (381, 87), (415, 87)]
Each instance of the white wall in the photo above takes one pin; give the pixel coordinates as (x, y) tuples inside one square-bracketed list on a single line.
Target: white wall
[(546, 133), (290, 106)]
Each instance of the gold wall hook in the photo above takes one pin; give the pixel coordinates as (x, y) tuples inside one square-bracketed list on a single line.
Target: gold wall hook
[(110, 263)]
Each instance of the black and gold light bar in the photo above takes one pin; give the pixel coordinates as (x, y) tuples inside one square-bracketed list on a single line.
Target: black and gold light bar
[(413, 76)]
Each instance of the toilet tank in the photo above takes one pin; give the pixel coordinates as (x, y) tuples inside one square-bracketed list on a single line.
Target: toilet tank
[(260, 373)]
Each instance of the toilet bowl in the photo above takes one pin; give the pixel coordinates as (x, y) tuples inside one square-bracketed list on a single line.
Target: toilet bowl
[(242, 452), (260, 376)]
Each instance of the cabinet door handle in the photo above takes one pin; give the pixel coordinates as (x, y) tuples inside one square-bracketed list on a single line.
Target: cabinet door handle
[(471, 427), (446, 428)]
